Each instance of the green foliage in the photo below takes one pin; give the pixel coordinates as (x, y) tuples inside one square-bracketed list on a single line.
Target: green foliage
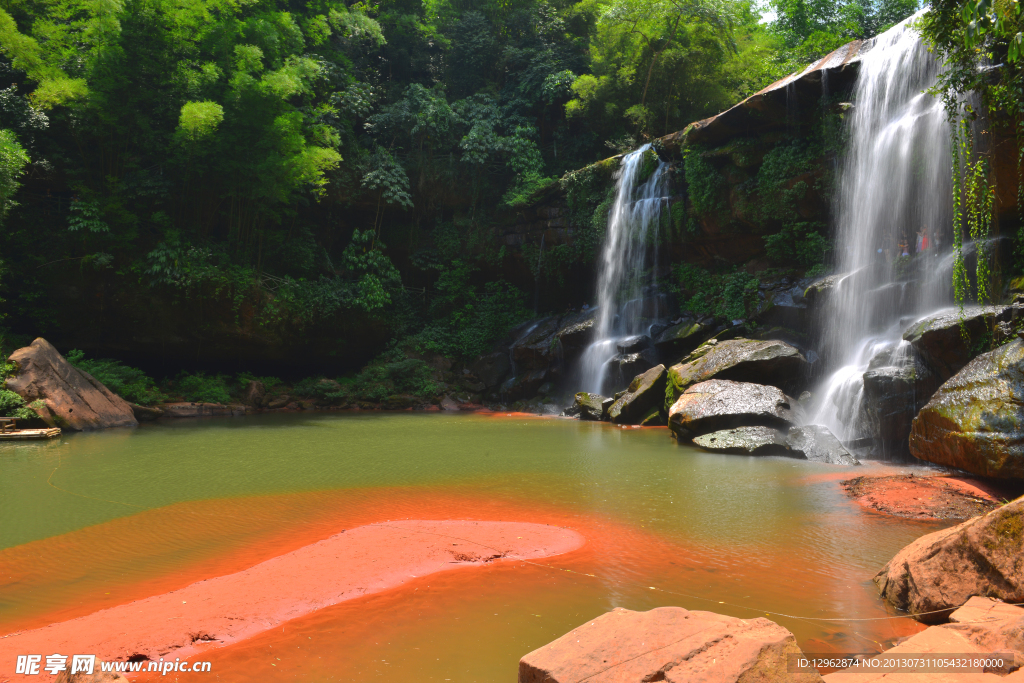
[(199, 120), (268, 382), (129, 383), (728, 294), (202, 388), (798, 244), (704, 184), (13, 159), (386, 377)]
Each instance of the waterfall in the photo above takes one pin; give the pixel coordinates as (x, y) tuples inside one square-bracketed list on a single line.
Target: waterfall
[(893, 184), (630, 251)]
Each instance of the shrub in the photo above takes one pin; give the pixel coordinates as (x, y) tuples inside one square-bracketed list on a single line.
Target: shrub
[(201, 388), (129, 383)]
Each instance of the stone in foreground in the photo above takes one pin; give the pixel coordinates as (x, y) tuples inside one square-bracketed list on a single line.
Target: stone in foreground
[(939, 572), (721, 404), (666, 644), (591, 406), (645, 392), (745, 360), (817, 444), (73, 399), (975, 421), (745, 441)]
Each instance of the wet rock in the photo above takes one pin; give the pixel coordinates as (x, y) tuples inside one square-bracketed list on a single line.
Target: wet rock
[(634, 344), (817, 444), (576, 332), (146, 413), (745, 360), (278, 402), (787, 308), (632, 364), (254, 393), (538, 348), (590, 406), (448, 403), (939, 572), (896, 386), (975, 421), (744, 441), (722, 404), (939, 340), (816, 292), (194, 409), (523, 385), (666, 644), (491, 369), (645, 392), (72, 399), (655, 417), (681, 337)]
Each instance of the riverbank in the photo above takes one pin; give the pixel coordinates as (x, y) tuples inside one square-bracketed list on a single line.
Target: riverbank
[(930, 495)]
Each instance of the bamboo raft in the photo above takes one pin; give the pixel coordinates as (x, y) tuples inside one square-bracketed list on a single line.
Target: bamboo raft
[(23, 434)]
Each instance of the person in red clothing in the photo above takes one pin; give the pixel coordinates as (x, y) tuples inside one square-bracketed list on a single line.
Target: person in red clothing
[(925, 241)]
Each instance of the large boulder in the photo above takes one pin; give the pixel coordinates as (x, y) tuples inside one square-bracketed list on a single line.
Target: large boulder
[(897, 385), (940, 340), (744, 360), (667, 644), (254, 393), (524, 384), (681, 338), (817, 444), (491, 369), (591, 406), (785, 307), (576, 331), (722, 404), (939, 572), (745, 441), (645, 392), (73, 399), (975, 421), (538, 347)]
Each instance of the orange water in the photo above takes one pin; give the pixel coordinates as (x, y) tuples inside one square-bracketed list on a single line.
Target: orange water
[(102, 519)]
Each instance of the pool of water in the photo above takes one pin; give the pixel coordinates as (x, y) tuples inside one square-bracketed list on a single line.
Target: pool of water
[(94, 520)]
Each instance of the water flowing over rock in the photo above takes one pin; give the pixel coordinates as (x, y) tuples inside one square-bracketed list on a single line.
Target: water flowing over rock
[(591, 406), (940, 341), (746, 360), (722, 404), (817, 444), (745, 441), (939, 572), (975, 421), (645, 392), (666, 644), (73, 399), (896, 385)]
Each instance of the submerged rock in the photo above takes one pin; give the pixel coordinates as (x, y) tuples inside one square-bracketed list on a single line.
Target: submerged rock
[(722, 404), (745, 441), (72, 399), (591, 406), (681, 337), (644, 393), (491, 368), (770, 362), (817, 444), (940, 571), (666, 644), (975, 421), (940, 341)]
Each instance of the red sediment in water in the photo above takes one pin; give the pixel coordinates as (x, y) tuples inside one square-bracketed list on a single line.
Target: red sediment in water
[(928, 497), (357, 562)]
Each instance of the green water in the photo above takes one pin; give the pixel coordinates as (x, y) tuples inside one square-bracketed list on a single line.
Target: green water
[(773, 531)]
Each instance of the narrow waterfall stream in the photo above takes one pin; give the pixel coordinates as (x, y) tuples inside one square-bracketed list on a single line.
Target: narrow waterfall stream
[(893, 211), (630, 253)]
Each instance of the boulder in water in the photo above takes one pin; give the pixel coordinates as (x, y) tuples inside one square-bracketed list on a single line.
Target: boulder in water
[(73, 399), (975, 421), (723, 404), (817, 444), (655, 417), (644, 392), (667, 644), (745, 441), (896, 385), (745, 360), (940, 341), (940, 571), (591, 406), (490, 369), (681, 338)]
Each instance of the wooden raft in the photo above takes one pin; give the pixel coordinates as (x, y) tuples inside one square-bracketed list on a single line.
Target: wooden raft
[(22, 434)]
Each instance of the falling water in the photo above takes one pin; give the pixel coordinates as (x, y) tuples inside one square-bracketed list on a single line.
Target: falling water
[(630, 251), (895, 182)]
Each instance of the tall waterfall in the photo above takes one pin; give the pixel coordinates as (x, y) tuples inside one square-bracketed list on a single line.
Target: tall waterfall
[(630, 251), (894, 183)]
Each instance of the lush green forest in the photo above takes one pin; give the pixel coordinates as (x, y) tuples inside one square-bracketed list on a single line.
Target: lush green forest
[(284, 168)]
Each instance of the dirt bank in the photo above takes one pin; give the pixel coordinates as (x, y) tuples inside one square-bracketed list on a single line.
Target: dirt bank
[(930, 496), (360, 561)]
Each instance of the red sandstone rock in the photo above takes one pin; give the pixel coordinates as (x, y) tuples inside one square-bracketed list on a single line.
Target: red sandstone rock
[(74, 399), (666, 644), (96, 676), (939, 572)]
